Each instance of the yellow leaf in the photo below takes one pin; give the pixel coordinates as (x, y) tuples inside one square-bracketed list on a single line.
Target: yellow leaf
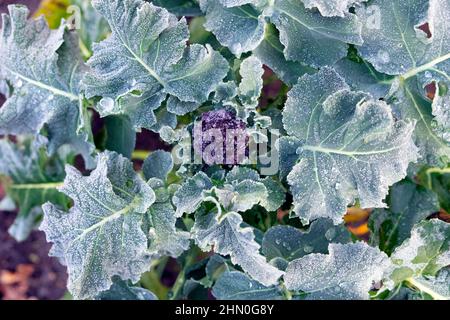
[(53, 11)]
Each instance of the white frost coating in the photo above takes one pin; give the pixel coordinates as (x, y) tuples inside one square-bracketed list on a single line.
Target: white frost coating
[(164, 237), (423, 254), (352, 147), (229, 238), (189, 196), (45, 69), (235, 3), (346, 273), (101, 236), (145, 58), (312, 39), (332, 8), (398, 46), (441, 112), (410, 104), (241, 29), (242, 196), (251, 84)]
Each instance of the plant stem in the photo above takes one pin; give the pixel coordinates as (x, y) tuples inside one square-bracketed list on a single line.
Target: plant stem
[(426, 66), (49, 185), (436, 296), (181, 279), (140, 155), (431, 171)]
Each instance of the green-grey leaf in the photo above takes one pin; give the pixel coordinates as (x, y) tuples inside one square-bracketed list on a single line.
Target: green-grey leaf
[(312, 39), (235, 3), (227, 237), (180, 7), (423, 254), (287, 149), (240, 28), (395, 44), (34, 178), (441, 113), (158, 165), (101, 236), (93, 27), (178, 107), (45, 68), (353, 148), (410, 104), (251, 84), (363, 77), (121, 290), (346, 273), (239, 174), (146, 58), (275, 194), (242, 196), (188, 198), (121, 136), (164, 237), (291, 243), (236, 285), (438, 287), (408, 204), (332, 8), (270, 52)]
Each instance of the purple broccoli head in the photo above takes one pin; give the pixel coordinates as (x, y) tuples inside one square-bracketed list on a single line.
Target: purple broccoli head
[(221, 138)]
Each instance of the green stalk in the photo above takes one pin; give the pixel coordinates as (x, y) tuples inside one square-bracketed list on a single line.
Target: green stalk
[(436, 296), (181, 279)]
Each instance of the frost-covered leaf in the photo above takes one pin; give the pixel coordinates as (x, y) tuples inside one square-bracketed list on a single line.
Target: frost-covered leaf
[(408, 204), (242, 196), (164, 238), (101, 236), (287, 148), (121, 290), (244, 188), (33, 180), (423, 254), (239, 174), (158, 165), (180, 7), (363, 77), (351, 147), (45, 68), (178, 107), (120, 135), (399, 46), (214, 269), (312, 39), (347, 272), (236, 285), (92, 27), (332, 8), (251, 84), (291, 243), (240, 28), (188, 198), (438, 287), (227, 237), (275, 194), (395, 44), (145, 58), (270, 52), (410, 104), (235, 3), (441, 112)]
